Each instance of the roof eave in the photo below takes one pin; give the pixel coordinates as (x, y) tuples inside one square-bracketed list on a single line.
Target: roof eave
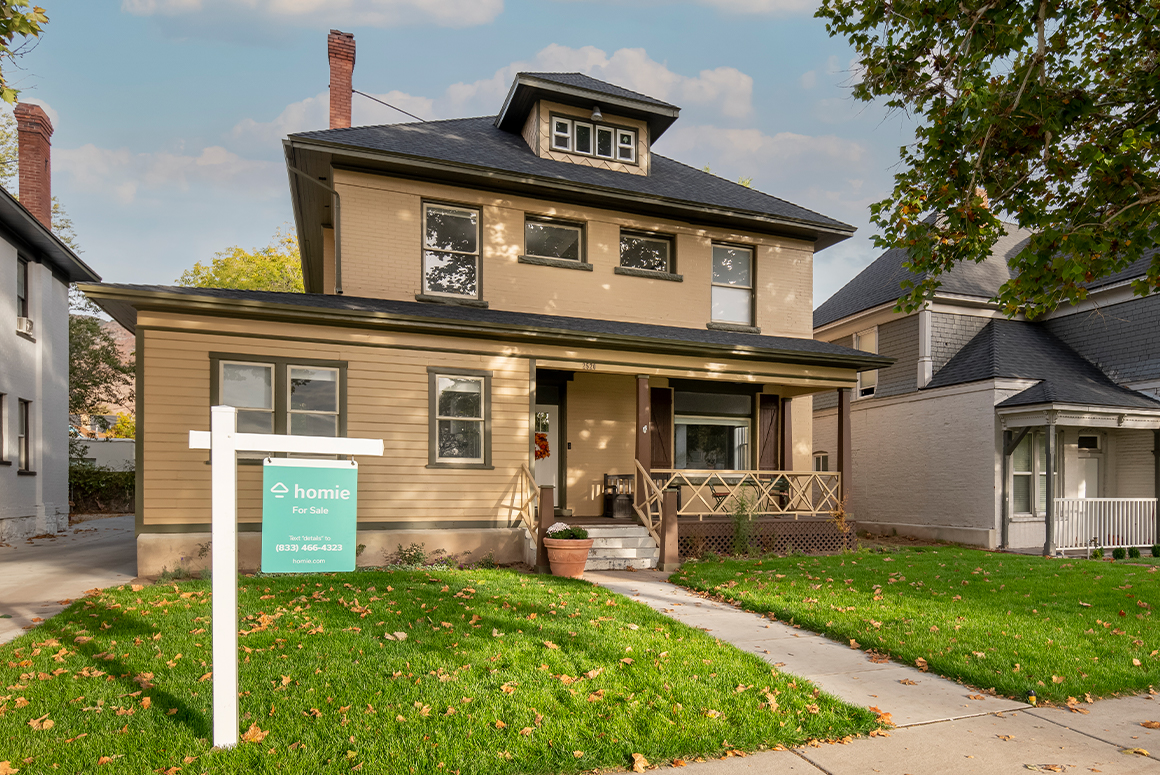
[(122, 305), (511, 116), (43, 241)]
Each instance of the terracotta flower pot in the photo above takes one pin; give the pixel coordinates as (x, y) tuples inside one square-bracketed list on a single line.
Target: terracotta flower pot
[(568, 555)]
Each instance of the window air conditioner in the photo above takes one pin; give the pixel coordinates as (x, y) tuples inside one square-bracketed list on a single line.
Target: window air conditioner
[(24, 326)]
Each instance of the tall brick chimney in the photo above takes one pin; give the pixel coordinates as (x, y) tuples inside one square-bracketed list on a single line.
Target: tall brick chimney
[(34, 136), (340, 47)]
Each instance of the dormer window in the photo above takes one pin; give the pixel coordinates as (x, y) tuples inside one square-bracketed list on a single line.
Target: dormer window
[(590, 139)]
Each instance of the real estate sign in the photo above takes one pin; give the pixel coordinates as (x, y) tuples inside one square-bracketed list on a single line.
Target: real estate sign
[(308, 515)]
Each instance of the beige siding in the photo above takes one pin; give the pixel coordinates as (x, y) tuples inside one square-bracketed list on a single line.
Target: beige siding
[(381, 235), (531, 130), (601, 429)]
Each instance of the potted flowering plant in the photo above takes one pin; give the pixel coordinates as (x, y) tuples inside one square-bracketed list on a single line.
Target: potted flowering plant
[(567, 550)]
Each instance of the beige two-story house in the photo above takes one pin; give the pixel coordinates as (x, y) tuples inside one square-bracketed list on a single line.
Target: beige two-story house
[(514, 302)]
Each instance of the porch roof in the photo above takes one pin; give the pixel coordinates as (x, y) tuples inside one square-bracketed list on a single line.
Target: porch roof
[(122, 302)]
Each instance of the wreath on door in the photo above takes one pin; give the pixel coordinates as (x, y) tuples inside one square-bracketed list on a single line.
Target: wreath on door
[(542, 451)]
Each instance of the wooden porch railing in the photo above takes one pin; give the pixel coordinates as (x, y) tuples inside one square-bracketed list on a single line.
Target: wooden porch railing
[(1104, 522), (529, 495), (784, 494)]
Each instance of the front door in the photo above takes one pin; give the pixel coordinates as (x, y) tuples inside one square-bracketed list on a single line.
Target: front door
[(546, 428), (1088, 485)]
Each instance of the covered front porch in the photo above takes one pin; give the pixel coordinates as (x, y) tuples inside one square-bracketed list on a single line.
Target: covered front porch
[(681, 456), (1080, 477)]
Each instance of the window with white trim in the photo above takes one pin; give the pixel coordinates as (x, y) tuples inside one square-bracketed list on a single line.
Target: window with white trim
[(24, 436), (867, 341), (450, 251), (460, 418), (590, 139), (1029, 476), (821, 461), (21, 288), (732, 285)]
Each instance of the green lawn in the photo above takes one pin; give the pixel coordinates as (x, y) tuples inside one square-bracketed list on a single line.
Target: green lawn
[(1064, 628), (499, 672)]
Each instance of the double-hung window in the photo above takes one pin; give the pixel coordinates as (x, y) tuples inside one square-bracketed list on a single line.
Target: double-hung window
[(4, 461), (450, 251), (21, 288), (646, 251), (711, 430), (732, 285), (282, 395), (24, 436), (1029, 475), (554, 240), (867, 341), (589, 139), (460, 418)]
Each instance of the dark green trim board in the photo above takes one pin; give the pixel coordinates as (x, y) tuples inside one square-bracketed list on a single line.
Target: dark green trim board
[(433, 373), (139, 433)]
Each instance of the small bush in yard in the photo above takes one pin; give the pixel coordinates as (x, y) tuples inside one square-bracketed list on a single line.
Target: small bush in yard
[(1119, 553), (1134, 553), (1156, 550), (1097, 554)]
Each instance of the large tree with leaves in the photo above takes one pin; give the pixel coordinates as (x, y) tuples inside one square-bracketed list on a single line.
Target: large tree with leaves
[(20, 22), (276, 267), (1038, 112)]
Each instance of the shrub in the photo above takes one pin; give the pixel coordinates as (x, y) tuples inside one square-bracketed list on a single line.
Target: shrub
[(99, 490), (1119, 553), (1097, 554), (1134, 553), (415, 554), (1156, 550)]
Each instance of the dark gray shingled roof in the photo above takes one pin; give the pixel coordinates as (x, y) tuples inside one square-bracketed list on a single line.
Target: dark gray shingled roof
[(581, 81), (1018, 350), (479, 143), (881, 282), (121, 309), (1137, 268)]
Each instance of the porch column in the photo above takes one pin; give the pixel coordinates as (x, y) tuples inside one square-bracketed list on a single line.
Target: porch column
[(845, 445), (546, 516), (1049, 434), (643, 440), (786, 434), (670, 558), (1156, 481)]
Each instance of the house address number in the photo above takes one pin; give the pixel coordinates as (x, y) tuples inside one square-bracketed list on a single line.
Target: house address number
[(589, 365)]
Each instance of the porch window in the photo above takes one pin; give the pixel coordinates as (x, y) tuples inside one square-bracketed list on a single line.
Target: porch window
[(646, 251), (732, 285), (867, 341), (1029, 475), (553, 239), (450, 251), (712, 443), (821, 461), (460, 418)]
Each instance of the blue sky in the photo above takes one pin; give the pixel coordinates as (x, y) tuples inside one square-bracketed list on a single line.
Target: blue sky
[(169, 113)]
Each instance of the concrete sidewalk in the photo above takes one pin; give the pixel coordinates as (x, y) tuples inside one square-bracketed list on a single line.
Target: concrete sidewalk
[(941, 728), (41, 576)]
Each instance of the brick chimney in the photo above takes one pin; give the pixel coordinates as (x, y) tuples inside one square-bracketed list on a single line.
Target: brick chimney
[(340, 47), (34, 135)]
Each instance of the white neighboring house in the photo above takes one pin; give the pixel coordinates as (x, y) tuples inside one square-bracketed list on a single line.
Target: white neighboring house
[(995, 432), (37, 269)]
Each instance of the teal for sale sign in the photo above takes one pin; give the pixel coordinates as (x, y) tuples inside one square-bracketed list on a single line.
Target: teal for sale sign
[(309, 512)]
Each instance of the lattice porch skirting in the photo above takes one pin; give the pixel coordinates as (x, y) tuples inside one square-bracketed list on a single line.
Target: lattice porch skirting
[(810, 536)]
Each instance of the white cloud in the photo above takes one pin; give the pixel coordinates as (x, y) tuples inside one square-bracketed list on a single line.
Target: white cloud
[(809, 79), (314, 113), (788, 152), (324, 14), (126, 174), (757, 7)]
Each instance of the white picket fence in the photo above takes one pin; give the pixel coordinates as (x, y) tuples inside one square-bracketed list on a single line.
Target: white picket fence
[(1106, 523)]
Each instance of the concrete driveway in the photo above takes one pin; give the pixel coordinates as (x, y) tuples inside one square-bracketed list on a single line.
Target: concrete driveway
[(41, 576)]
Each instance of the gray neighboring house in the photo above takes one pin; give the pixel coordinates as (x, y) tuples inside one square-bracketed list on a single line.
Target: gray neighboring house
[(37, 268), (980, 418)]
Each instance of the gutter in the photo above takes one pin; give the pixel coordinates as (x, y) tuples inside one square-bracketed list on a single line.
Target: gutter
[(337, 225), (207, 305)]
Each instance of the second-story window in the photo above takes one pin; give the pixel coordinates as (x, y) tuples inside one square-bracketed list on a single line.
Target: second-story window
[(450, 251), (732, 285), (646, 251), (24, 435), (553, 239), (867, 341), (21, 288)]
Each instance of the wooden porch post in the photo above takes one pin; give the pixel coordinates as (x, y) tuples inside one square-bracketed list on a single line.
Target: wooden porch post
[(670, 557), (786, 434), (1049, 517), (845, 444), (643, 439), (546, 517), (1156, 481)]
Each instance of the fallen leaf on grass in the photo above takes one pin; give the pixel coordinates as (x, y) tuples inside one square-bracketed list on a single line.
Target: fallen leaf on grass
[(921, 664), (500, 725), (206, 677), (527, 731), (1057, 679), (550, 644), (44, 723), (578, 754), (883, 716), (679, 762), (1136, 662), (110, 759), (254, 734), (639, 763), (6, 768)]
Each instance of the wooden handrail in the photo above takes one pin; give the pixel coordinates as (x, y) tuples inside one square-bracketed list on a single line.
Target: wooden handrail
[(650, 500), (529, 509), (716, 493)]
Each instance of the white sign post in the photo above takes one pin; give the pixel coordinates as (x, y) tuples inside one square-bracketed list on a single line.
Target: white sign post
[(224, 443)]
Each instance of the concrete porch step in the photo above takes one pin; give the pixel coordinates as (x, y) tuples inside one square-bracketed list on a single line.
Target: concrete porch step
[(617, 542), (621, 563), (610, 552), (617, 531)]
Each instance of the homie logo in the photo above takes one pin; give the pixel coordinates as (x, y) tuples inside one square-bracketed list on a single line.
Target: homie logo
[(279, 490)]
